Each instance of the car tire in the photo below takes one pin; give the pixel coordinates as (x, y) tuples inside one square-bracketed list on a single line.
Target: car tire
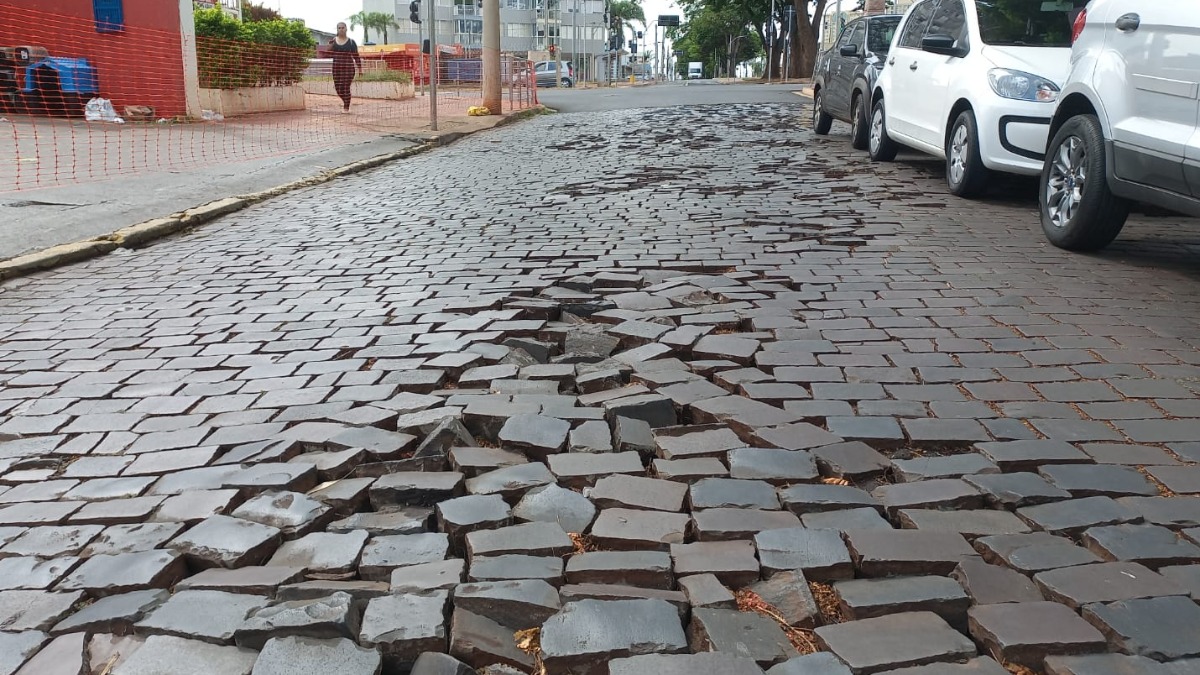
[(860, 126), (966, 175), (566, 82), (1078, 210), (880, 146), (822, 122)]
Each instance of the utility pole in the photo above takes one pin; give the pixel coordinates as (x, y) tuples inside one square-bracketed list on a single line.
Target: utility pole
[(492, 99), (575, 41), (771, 43), (431, 17)]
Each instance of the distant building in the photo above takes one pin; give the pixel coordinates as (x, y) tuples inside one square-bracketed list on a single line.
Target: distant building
[(321, 37)]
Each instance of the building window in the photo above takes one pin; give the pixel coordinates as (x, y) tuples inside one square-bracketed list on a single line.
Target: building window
[(110, 15)]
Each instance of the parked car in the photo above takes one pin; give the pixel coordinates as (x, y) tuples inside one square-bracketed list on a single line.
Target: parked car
[(546, 75), (1126, 123), (973, 82), (845, 75)]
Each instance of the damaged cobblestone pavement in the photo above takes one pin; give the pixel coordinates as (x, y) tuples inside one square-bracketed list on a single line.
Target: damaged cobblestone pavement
[(746, 404)]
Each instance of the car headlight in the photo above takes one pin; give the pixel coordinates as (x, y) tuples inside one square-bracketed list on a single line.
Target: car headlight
[(1021, 86)]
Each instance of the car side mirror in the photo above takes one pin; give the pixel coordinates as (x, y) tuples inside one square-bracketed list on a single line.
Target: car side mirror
[(849, 50), (941, 44)]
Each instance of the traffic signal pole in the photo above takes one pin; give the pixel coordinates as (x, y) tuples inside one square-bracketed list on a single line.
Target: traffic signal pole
[(431, 16), (492, 99)]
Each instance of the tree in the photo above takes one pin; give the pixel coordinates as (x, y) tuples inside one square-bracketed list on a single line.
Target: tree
[(381, 22), (257, 12), (622, 15), (361, 19), (804, 43)]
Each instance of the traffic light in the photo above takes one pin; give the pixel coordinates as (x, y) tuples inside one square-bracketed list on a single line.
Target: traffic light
[(553, 49), (414, 11), (633, 47), (639, 35)]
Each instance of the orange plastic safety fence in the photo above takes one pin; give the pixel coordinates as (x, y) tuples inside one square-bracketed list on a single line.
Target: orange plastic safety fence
[(97, 89)]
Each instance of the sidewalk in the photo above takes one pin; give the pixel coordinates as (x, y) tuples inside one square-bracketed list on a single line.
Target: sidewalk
[(158, 170)]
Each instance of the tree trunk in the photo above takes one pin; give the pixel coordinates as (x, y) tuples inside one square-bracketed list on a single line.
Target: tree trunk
[(805, 44)]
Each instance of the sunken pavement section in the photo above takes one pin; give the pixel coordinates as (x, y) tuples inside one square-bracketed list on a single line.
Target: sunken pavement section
[(748, 404)]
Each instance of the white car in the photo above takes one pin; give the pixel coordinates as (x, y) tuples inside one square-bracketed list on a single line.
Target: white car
[(1126, 127), (974, 82)]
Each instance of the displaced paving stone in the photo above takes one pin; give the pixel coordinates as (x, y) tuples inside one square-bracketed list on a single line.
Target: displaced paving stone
[(472, 462), (730, 524), (689, 470), (179, 656), (900, 640), (1099, 480), (17, 648), (1184, 480), (820, 663), (252, 580), (717, 493), (66, 654), (211, 616), (732, 562), (404, 520), (415, 488), (705, 590), (854, 461), (804, 499), (403, 626), (456, 517), (1159, 628), (970, 524), (541, 539), (273, 476), (1025, 633), (479, 641), (1150, 545), (511, 482), (322, 555), (536, 435), (222, 541), (513, 566), (1167, 511), (51, 541), (743, 634), (592, 436), (381, 555), (588, 632), (1035, 552), (695, 442), (820, 554), (636, 492), (1071, 517), (33, 573), (579, 470), (789, 594), (113, 614), (945, 493), (989, 584), (550, 503), (281, 656), (798, 436), (712, 663), (633, 435), (1012, 456), (331, 617), (844, 520), (35, 610), (1104, 582), (870, 598), (741, 413), (1187, 576), (881, 553), (978, 666), (778, 467), (954, 466), (104, 575), (516, 604), (293, 513), (193, 507), (628, 529), (1015, 490), (1104, 664), (650, 569), (653, 409)]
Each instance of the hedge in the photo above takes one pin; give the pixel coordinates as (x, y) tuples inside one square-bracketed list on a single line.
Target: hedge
[(232, 54)]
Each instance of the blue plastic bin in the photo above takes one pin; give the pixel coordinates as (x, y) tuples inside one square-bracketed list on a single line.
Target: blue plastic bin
[(75, 76)]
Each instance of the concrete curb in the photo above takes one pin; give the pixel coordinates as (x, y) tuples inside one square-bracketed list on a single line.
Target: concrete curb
[(142, 234)]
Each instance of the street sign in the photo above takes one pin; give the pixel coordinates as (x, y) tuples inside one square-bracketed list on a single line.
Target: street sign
[(668, 20)]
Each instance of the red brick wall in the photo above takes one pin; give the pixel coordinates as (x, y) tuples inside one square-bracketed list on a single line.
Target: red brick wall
[(141, 65)]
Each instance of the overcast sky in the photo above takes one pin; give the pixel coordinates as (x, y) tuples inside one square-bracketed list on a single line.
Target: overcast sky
[(324, 15)]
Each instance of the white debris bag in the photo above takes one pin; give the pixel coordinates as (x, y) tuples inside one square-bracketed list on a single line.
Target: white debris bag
[(211, 116), (101, 110)]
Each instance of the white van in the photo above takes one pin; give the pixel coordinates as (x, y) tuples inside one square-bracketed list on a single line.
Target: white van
[(695, 70)]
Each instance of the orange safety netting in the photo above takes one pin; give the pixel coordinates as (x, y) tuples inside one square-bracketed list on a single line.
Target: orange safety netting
[(89, 92)]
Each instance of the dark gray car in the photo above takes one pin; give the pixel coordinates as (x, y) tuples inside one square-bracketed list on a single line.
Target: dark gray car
[(845, 74)]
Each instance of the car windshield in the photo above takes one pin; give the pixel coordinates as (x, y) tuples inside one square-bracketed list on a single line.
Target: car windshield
[(1027, 23), (879, 36)]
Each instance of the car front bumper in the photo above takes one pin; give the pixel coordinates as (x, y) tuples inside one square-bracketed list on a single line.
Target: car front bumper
[(1013, 134)]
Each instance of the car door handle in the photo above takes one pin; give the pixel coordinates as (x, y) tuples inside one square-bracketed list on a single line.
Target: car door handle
[(913, 66), (1129, 23)]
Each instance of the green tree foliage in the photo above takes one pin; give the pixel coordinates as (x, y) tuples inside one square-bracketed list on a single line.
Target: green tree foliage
[(712, 19), (626, 15), (380, 22), (258, 12), (233, 54)]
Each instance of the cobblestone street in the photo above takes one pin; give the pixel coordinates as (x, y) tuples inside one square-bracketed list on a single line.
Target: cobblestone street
[(678, 390)]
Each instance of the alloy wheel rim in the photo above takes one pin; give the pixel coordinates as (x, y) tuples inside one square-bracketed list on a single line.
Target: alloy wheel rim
[(876, 130), (1065, 182), (816, 116), (959, 147)]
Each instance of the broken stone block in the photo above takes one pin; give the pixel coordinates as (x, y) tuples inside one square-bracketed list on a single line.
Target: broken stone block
[(281, 655), (1025, 633), (404, 520), (744, 634), (1150, 545), (180, 656), (650, 569), (992, 584), (1073, 516), (415, 488), (440, 575), (636, 492), (947, 493), (788, 593), (27, 572), (35, 610), (1034, 552), (897, 641), (104, 575), (17, 648), (653, 409), (705, 590), (113, 614), (331, 617), (1163, 629), (844, 520), (291, 512), (881, 553), (403, 626), (542, 539), (550, 503), (322, 554), (1016, 490), (696, 442), (805, 499), (1104, 582), (820, 554), (589, 632), (854, 461), (730, 524), (211, 616), (1014, 456), (732, 562), (538, 436), (479, 642), (689, 470), (870, 598), (458, 516), (251, 580), (472, 462), (65, 655), (516, 604), (969, 523), (511, 482), (381, 555)]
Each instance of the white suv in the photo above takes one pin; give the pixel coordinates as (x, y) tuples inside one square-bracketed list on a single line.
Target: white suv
[(1126, 125), (974, 82)]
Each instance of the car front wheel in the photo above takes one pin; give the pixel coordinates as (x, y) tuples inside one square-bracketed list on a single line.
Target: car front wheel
[(1079, 212), (965, 173), (822, 121), (860, 126), (881, 147), (566, 82)]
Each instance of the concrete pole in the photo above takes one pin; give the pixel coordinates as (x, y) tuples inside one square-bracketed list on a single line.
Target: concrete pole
[(431, 13), (492, 97), (191, 63)]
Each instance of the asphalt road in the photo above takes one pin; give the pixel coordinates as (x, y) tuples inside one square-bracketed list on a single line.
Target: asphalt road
[(696, 92)]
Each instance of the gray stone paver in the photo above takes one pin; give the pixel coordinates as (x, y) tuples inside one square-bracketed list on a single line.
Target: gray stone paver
[(322, 371)]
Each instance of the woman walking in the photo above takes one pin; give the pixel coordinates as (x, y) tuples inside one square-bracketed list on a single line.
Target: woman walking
[(345, 59)]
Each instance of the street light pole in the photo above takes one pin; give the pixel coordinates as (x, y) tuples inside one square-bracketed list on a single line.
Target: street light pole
[(492, 97), (433, 63)]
